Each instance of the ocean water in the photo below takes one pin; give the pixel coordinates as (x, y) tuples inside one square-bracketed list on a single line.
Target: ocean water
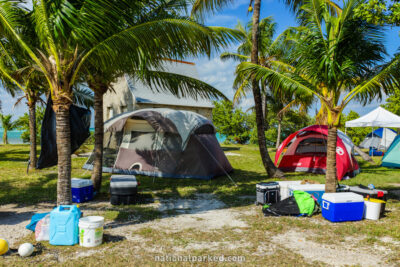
[(14, 137)]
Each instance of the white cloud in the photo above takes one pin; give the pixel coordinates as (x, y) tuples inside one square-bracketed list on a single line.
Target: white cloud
[(7, 105)]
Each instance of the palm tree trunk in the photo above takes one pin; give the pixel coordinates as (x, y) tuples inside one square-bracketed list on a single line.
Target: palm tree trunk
[(63, 138), (267, 162), (32, 134), (98, 136), (278, 138), (5, 138), (330, 183)]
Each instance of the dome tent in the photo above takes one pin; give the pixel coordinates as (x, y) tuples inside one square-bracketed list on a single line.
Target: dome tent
[(162, 143), (306, 152), (391, 158), (380, 138)]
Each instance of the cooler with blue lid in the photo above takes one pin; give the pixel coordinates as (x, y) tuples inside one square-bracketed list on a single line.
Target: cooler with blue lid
[(317, 190), (342, 207), (82, 190)]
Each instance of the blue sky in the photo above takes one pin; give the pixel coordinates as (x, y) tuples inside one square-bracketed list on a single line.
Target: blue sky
[(221, 74)]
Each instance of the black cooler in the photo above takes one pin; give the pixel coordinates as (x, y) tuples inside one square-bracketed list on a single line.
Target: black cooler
[(123, 189), (267, 193)]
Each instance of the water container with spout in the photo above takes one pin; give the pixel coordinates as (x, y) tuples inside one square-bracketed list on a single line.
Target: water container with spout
[(64, 228)]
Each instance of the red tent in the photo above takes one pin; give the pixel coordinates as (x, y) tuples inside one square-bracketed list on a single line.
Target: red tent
[(306, 152)]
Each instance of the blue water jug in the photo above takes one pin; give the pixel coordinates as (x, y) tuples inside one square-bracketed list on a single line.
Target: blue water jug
[(64, 222)]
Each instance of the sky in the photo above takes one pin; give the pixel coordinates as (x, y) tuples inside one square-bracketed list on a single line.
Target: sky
[(221, 74)]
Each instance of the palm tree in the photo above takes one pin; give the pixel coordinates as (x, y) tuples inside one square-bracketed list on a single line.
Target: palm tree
[(335, 62), (199, 8), (270, 51), (59, 24), (7, 125)]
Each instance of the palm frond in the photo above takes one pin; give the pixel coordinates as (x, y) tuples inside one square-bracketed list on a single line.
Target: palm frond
[(178, 85), (226, 56), (83, 96)]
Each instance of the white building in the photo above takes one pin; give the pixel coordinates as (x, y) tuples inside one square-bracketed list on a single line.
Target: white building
[(131, 95)]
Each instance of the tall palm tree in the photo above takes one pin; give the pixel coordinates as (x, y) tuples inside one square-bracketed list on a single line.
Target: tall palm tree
[(271, 50), (7, 125), (59, 24), (100, 79), (336, 62)]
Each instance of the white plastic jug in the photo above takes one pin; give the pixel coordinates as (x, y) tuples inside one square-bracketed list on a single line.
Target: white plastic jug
[(91, 231), (372, 208)]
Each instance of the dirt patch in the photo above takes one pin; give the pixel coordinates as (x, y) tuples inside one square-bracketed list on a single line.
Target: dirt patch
[(213, 246), (331, 255), (14, 218)]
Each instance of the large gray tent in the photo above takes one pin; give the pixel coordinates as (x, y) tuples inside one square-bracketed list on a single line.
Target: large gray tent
[(163, 143)]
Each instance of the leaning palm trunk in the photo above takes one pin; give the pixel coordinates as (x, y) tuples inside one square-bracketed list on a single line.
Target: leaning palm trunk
[(267, 162), (32, 134), (63, 137), (98, 136), (278, 138), (331, 160), (364, 155)]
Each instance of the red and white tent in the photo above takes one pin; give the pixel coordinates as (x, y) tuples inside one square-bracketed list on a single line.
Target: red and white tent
[(305, 151)]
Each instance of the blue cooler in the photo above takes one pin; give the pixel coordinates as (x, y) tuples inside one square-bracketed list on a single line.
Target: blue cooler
[(342, 207), (64, 222), (317, 190), (82, 190)]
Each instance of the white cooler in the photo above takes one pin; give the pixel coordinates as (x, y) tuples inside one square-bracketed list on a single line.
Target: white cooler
[(284, 188)]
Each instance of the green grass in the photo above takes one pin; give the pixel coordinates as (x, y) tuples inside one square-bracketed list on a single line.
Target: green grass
[(40, 186)]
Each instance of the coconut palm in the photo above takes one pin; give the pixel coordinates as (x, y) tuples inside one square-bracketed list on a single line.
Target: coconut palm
[(59, 24), (271, 50), (336, 62), (7, 125), (100, 80)]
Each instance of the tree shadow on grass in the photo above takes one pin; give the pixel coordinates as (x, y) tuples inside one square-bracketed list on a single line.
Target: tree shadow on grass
[(43, 189), (14, 155)]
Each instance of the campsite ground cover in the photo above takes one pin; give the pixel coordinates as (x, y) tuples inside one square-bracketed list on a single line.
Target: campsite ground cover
[(193, 217)]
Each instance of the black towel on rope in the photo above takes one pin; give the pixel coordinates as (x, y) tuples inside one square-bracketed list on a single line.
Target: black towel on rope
[(80, 124)]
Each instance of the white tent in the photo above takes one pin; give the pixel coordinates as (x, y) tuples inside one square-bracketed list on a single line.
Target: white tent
[(379, 117), (380, 139)]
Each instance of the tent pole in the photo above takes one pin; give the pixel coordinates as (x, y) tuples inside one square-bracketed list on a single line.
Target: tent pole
[(227, 174)]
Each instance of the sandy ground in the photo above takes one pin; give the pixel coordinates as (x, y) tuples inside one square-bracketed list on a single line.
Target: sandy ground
[(206, 213)]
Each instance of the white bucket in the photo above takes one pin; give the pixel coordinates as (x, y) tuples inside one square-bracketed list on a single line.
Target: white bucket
[(372, 208), (91, 231)]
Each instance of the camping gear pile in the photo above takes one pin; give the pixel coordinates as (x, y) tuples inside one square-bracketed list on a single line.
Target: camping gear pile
[(296, 198), (279, 200), (123, 189), (65, 226), (305, 151), (162, 143)]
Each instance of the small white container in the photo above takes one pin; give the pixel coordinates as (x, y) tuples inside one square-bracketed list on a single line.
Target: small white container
[(91, 231), (372, 208), (284, 188)]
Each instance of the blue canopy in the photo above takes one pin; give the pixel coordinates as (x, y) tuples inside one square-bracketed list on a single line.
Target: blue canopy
[(379, 132)]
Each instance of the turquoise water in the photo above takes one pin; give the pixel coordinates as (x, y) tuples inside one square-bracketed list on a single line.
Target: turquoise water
[(14, 137)]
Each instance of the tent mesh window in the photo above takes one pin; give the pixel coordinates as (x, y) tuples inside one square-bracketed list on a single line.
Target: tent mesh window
[(311, 146)]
